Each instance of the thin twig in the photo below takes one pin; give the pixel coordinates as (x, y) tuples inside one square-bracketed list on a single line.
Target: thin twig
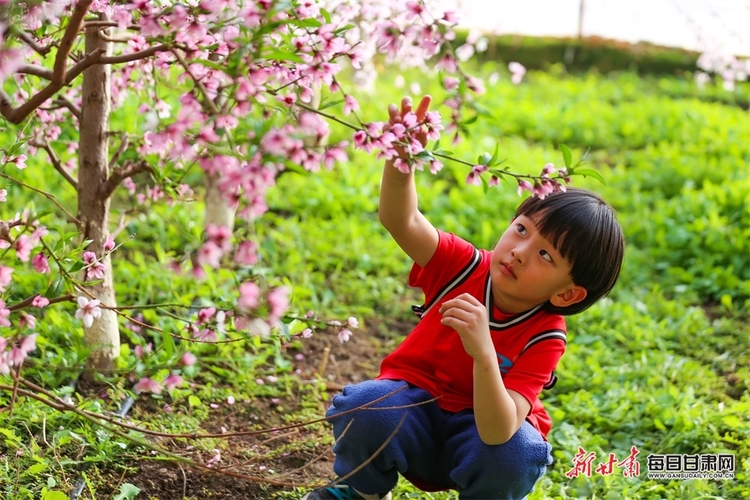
[(62, 101), (55, 162), (122, 173), (206, 98), (28, 40), (47, 195), (124, 141)]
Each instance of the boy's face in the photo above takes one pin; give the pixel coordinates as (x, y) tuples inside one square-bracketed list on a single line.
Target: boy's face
[(527, 270)]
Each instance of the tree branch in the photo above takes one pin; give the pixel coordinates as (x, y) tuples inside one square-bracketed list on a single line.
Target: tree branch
[(32, 69), (66, 44), (120, 174), (39, 49), (135, 55), (67, 104), (19, 114), (55, 161), (121, 149)]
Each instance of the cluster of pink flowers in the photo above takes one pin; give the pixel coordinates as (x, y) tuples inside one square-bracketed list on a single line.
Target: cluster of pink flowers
[(545, 185), (12, 354)]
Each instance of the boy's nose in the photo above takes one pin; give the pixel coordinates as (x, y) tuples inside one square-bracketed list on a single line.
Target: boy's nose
[(518, 255)]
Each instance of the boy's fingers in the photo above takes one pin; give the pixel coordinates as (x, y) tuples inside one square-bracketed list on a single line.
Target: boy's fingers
[(423, 107), (393, 113), (405, 105)]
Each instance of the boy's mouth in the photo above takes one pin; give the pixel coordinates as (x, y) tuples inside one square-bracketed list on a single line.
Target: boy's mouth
[(507, 270)]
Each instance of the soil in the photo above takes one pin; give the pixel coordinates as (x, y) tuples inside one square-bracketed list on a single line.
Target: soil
[(258, 466)]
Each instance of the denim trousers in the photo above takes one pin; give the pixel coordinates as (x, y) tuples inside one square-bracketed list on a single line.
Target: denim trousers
[(433, 448)]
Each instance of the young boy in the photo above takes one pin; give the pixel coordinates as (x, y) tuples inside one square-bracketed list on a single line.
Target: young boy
[(456, 405)]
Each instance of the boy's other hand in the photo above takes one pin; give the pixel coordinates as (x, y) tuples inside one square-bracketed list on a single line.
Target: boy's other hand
[(468, 316)]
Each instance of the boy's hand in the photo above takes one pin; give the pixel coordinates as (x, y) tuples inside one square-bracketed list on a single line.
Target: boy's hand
[(396, 117), (468, 317)]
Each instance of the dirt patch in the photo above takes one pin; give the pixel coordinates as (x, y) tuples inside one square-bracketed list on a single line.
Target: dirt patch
[(299, 457)]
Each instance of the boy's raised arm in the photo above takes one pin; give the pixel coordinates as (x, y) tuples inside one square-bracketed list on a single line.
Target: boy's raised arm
[(398, 209)]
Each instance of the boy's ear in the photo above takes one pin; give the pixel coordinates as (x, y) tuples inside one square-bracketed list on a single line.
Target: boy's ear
[(570, 296)]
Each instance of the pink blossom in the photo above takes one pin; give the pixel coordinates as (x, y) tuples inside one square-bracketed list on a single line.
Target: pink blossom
[(350, 104), (40, 263), (517, 71), (5, 277), (94, 268), (4, 313), (3, 194), (19, 161), (249, 293), (524, 186), (28, 343), (147, 385), (27, 321), (215, 459), (109, 244), (307, 333), (39, 302), (141, 351), (188, 359), (220, 235), (352, 322), (210, 254), (246, 254), (172, 380), (344, 335), (88, 310), (206, 335), (24, 245), (278, 300)]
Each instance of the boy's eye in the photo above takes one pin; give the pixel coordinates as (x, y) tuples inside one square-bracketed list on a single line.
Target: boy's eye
[(521, 229), (545, 255)]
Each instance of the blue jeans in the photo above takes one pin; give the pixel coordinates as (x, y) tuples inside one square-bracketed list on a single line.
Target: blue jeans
[(435, 449)]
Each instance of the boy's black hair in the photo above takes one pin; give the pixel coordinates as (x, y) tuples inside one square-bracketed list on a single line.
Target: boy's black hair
[(583, 228)]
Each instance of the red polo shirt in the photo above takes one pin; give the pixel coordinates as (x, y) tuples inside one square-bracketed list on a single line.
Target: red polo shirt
[(432, 357)]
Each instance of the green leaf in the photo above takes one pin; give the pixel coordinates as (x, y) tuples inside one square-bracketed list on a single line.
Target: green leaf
[(76, 267), (56, 288), (281, 55), (35, 469), (194, 401), (484, 159), (127, 492), (590, 172), (326, 15), (330, 103), (54, 495), (567, 157)]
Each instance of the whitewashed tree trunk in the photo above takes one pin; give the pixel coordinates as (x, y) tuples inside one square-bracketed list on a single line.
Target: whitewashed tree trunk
[(93, 205)]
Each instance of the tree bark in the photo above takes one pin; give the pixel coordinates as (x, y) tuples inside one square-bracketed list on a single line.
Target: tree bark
[(217, 210), (103, 337)]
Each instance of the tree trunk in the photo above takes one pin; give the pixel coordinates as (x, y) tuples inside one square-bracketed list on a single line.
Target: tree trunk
[(217, 211), (93, 209)]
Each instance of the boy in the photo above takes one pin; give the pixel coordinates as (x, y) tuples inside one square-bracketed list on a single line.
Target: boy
[(456, 404)]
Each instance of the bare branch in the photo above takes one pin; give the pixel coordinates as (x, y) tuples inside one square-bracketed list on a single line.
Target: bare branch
[(66, 44), (32, 69), (67, 104), (39, 49), (19, 114), (120, 174), (55, 161), (121, 149), (135, 55)]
